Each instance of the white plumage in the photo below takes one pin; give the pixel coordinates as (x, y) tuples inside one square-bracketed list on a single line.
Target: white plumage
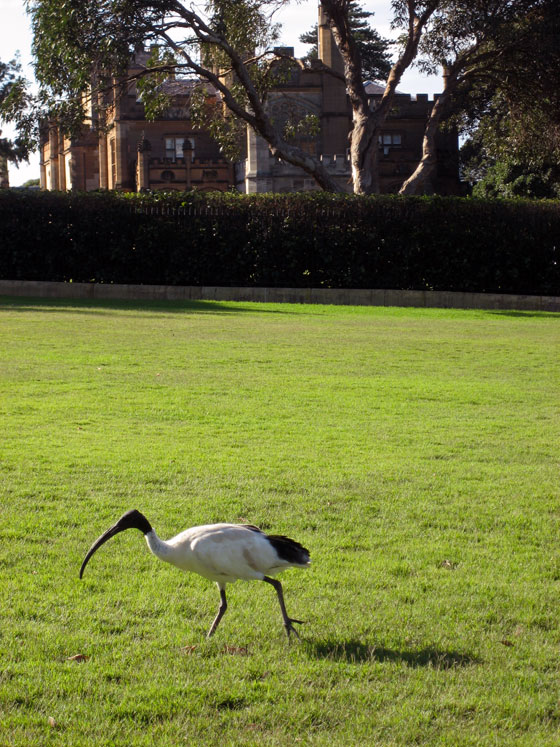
[(222, 553)]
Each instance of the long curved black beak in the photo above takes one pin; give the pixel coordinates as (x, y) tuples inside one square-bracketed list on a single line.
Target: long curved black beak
[(115, 529)]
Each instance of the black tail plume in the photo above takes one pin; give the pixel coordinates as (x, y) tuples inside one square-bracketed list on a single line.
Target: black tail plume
[(289, 550)]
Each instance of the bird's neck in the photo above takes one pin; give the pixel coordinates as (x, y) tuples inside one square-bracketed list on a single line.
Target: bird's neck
[(159, 547)]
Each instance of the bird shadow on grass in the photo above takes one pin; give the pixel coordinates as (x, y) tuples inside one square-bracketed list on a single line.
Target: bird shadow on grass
[(524, 314), (356, 652)]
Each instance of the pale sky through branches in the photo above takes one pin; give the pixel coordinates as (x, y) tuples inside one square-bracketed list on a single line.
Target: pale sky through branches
[(296, 18)]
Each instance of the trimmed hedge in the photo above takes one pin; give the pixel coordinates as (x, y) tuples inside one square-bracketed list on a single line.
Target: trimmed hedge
[(297, 240)]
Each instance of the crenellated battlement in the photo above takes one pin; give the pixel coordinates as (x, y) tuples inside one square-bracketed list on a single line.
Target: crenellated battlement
[(182, 163)]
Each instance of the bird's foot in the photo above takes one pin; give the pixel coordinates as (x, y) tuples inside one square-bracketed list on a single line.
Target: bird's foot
[(290, 628)]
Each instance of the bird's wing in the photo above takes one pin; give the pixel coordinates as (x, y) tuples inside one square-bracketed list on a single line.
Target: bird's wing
[(225, 552)]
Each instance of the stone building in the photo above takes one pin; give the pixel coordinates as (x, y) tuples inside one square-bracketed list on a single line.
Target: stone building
[(170, 154), (315, 91), (132, 153)]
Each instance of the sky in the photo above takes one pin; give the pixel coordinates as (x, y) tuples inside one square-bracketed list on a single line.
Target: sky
[(296, 18)]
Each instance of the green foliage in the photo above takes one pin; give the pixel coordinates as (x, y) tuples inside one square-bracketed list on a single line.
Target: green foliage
[(307, 240), (228, 131), (14, 104), (307, 125), (511, 179), (414, 453), (159, 66), (507, 103), (246, 24)]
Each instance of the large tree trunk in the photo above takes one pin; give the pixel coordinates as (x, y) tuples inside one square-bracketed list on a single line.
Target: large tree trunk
[(363, 156), (420, 180), (361, 135)]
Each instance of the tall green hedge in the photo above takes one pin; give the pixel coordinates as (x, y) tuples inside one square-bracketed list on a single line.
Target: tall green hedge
[(311, 240)]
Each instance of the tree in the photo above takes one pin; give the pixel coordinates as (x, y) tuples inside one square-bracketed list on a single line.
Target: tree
[(513, 122), (511, 178), (498, 56), (413, 17), (14, 99), (374, 50)]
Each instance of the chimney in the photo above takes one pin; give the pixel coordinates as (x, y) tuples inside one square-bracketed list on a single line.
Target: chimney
[(328, 51)]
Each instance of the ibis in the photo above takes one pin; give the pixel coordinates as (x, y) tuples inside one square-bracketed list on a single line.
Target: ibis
[(223, 553)]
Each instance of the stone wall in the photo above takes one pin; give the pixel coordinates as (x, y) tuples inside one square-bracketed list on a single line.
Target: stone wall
[(329, 296)]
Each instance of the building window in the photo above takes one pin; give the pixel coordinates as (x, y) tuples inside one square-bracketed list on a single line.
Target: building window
[(174, 147), (389, 140), (167, 176)]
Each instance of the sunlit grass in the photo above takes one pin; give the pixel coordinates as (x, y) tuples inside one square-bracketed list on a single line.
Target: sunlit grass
[(414, 452)]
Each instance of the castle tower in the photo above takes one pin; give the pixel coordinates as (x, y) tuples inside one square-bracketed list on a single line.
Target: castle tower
[(335, 116)]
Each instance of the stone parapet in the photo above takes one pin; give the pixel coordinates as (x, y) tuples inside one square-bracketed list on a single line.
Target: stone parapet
[(327, 296)]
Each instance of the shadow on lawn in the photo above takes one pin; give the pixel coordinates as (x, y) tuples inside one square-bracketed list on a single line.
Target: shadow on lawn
[(100, 306), (356, 652), (526, 314)]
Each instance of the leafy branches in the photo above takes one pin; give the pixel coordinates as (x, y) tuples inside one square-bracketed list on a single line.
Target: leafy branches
[(490, 52), (16, 106), (227, 43)]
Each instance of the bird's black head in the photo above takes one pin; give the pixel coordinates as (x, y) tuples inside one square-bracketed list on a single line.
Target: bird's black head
[(130, 520), (133, 520)]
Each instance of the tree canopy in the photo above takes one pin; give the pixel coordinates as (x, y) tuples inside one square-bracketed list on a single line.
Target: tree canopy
[(14, 99), (80, 46), (512, 119), (502, 64)]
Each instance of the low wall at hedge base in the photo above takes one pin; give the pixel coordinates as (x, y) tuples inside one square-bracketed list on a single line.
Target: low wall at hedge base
[(335, 296)]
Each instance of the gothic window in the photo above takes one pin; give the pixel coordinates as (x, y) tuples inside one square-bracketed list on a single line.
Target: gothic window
[(167, 176), (174, 147)]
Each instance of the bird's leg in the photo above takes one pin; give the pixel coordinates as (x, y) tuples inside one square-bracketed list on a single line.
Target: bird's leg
[(287, 620), (221, 609)]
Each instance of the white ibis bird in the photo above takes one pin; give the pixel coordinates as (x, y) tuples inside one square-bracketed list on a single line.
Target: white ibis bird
[(222, 553)]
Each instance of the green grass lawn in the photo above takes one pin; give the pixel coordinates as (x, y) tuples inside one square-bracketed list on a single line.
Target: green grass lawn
[(414, 452)]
